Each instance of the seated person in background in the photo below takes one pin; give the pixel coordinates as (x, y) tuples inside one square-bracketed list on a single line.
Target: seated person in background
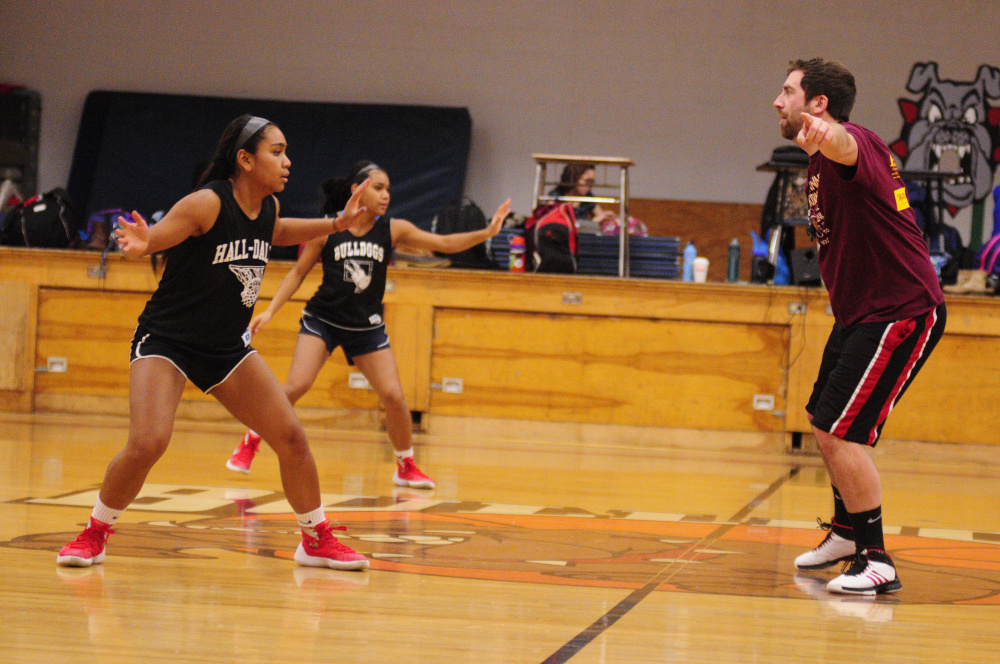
[(578, 180)]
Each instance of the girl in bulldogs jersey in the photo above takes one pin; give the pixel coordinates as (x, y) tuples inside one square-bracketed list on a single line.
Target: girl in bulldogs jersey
[(195, 326), (346, 311)]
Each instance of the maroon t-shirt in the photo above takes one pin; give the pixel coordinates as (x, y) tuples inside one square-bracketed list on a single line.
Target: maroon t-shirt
[(872, 255)]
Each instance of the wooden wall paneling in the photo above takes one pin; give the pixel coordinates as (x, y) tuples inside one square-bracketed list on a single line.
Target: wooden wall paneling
[(710, 225), (273, 275), (423, 332), (93, 331), (602, 356), (276, 342), (807, 335), (597, 296), (410, 328), (74, 268), (609, 370), (954, 396), (946, 401), (18, 316)]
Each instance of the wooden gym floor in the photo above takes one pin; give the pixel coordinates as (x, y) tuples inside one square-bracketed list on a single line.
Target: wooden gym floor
[(527, 551)]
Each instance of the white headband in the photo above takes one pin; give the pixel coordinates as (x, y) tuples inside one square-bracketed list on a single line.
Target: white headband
[(252, 126)]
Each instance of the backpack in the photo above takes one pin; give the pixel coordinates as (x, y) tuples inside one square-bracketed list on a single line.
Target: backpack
[(100, 231), (47, 220), (550, 238), (946, 251), (462, 216)]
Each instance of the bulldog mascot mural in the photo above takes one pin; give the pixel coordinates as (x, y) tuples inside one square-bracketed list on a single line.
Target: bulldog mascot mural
[(952, 127)]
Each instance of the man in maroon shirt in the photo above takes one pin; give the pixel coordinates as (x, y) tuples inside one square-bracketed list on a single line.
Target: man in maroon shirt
[(888, 308)]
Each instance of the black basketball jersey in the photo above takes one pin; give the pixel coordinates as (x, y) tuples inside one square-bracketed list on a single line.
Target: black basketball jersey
[(210, 283), (350, 296)]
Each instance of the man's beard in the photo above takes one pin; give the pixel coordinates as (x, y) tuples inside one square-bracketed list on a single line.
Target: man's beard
[(791, 127)]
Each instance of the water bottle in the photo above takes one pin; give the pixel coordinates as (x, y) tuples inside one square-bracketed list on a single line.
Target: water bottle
[(690, 253), (516, 253), (733, 262)]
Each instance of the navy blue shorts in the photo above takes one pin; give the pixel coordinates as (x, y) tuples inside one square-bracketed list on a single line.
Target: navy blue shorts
[(353, 342), (206, 369), (866, 369)]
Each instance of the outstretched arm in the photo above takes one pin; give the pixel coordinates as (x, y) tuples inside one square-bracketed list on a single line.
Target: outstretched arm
[(297, 231), (193, 215), (307, 259), (404, 232), (830, 138), (600, 214)]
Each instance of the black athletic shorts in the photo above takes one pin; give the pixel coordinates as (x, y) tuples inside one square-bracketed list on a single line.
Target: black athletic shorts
[(866, 369), (206, 369), (353, 342)]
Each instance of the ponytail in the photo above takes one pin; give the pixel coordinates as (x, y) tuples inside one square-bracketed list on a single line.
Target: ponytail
[(334, 194), (336, 191)]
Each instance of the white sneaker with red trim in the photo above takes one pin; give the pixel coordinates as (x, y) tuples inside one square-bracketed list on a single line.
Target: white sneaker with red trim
[(871, 573)]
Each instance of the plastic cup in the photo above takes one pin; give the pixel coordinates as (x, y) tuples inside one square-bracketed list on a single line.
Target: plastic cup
[(700, 269)]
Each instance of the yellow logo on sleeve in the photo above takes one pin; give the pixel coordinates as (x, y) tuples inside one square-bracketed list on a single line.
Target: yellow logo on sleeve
[(902, 202)]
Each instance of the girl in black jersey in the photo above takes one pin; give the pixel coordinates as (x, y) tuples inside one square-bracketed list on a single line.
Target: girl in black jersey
[(195, 326), (346, 311)]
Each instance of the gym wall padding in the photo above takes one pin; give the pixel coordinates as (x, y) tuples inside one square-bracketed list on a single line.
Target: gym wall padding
[(141, 151)]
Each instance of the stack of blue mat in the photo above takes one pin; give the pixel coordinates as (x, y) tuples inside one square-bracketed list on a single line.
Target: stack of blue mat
[(651, 257), (498, 246)]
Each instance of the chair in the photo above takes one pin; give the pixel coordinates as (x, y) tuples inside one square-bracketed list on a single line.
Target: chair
[(617, 188)]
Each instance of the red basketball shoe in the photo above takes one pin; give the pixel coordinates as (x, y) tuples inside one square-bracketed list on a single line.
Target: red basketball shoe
[(407, 474), (88, 547), (325, 550), (243, 455)]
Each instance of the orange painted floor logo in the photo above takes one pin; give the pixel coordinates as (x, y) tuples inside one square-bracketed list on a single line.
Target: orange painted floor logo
[(528, 544)]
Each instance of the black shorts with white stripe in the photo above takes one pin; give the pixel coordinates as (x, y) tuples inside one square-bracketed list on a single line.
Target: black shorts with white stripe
[(866, 369), (203, 367)]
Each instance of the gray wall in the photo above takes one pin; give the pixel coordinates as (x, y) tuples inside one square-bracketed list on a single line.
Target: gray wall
[(684, 89)]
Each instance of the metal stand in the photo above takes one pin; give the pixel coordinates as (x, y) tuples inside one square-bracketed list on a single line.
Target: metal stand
[(542, 183), (785, 175), (930, 178)]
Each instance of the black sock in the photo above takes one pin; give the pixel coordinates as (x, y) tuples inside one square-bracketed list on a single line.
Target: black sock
[(841, 518), (868, 529)]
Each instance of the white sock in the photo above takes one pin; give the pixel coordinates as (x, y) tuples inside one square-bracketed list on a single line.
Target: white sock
[(405, 454), (310, 520), (105, 514)]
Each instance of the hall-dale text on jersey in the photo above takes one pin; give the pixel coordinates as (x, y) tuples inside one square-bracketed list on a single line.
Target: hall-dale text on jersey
[(241, 250)]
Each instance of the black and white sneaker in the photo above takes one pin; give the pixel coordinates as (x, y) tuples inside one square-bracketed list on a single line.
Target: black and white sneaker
[(832, 550), (871, 573)]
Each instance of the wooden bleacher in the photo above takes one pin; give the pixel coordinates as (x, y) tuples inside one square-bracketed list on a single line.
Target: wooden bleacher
[(596, 354)]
